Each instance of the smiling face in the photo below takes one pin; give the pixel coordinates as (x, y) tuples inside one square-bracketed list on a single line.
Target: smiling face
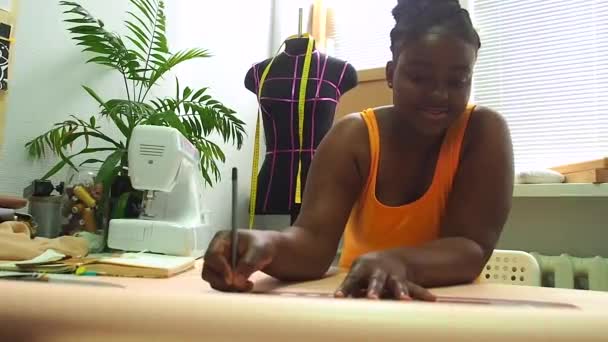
[(431, 80)]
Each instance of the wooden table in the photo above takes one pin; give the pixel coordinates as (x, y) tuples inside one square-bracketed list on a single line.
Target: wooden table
[(184, 308)]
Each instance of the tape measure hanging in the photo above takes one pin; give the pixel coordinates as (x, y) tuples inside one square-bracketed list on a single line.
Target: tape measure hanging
[(301, 109)]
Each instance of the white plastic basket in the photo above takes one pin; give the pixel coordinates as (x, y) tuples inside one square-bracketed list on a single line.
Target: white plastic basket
[(511, 267)]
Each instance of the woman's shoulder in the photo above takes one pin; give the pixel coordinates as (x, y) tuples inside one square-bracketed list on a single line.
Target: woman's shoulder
[(485, 119), (485, 113), (352, 132), (351, 125), (484, 123), (358, 127)]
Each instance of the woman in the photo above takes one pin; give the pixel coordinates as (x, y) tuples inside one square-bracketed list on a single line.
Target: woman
[(420, 189)]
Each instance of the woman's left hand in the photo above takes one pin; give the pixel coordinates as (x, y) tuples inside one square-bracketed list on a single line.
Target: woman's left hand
[(381, 275)]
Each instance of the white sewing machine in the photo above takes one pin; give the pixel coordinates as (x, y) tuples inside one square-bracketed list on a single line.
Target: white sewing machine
[(166, 166)]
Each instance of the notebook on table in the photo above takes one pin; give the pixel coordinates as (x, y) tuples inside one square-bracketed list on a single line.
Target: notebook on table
[(144, 265), (141, 265)]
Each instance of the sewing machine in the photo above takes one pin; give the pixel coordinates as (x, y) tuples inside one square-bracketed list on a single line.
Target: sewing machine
[(166, 167)]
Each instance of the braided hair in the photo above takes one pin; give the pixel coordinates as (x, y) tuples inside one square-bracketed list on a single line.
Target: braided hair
[(414, 18)]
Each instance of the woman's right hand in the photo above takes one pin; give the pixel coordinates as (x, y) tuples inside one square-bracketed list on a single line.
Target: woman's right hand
[(255, 251)]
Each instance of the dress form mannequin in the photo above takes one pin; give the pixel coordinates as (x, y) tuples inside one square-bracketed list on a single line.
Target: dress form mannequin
[(328, 79)]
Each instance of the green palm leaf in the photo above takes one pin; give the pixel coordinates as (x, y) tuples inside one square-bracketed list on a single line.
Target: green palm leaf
[(210, 152), (148, 36), (207, 116), (108, 47), (147, 8), (64, 134), (91, 161), (107, 169), (68, 159), (145, 26), (174, 60), (94, 95)]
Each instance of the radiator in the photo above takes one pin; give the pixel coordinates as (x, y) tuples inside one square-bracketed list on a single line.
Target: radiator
[(568, 272), (534, 269)]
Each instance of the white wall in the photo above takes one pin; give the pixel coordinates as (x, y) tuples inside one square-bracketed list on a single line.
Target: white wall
[(237, 33), (551, 226), (48, 70), (46, 75), (285, 23)]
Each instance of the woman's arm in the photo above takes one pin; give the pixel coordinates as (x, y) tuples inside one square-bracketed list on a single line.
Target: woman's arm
[(477, 208), (305, 250), (335, 179)]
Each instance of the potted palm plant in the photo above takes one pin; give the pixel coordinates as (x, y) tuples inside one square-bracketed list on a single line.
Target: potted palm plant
[(142, 57)]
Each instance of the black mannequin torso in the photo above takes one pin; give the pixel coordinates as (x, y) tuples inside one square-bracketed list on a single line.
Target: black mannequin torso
[(329, 78)]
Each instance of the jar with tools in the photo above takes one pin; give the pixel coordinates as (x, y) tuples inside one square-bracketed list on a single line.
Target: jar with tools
[(81, 209)]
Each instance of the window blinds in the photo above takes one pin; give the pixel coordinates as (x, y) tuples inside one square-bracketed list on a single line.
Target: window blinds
[(544, 66), (360, 32)]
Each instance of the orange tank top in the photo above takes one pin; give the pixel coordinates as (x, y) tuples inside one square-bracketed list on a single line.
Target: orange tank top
[(373, 226)]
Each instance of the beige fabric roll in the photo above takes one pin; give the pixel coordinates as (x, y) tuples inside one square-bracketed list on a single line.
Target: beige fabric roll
[(16, 244)]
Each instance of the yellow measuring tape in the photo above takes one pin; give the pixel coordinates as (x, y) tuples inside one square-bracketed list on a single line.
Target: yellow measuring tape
[(301, 107)]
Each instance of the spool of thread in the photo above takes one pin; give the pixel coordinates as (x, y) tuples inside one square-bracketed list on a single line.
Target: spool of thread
[(97, 191), (78, 208), (89, 220), (84, 196)]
